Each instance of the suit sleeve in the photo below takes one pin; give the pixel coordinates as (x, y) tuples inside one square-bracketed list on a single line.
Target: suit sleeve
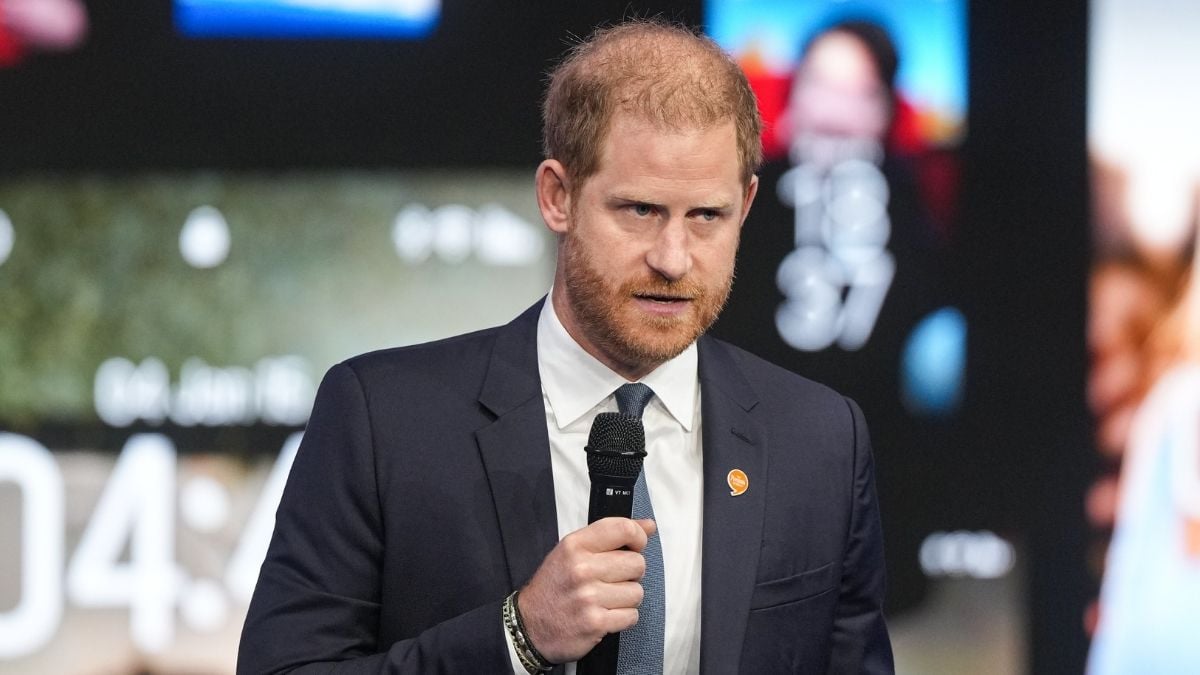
[(860, 636), (316, 607)]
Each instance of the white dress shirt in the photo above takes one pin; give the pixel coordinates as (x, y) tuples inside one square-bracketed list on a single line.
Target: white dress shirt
[(575, 387)]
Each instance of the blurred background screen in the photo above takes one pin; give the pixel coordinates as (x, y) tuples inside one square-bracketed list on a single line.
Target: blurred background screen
[(1144, 334), (307, 18), (979, 222), (200, 212)]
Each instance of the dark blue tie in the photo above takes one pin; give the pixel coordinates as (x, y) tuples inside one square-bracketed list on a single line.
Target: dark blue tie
[(642, 645)]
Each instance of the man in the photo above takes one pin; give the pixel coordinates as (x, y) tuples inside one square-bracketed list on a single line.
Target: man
[(436, 480)]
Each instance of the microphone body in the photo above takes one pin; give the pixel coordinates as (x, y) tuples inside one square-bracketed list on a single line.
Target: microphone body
[(615, 449), (611, 496)]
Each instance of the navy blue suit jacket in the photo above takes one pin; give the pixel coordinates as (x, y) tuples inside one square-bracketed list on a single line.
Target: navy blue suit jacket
[(422, 495)]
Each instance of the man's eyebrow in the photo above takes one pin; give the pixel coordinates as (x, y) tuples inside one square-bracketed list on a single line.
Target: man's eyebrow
[(716, 206), (629, 198), (634, 198)]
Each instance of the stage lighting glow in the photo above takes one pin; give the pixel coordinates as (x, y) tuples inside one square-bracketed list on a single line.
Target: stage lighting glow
[(980, 555), (934, 364), (307, 18), (204, 240), (453, 232), (6, 236)]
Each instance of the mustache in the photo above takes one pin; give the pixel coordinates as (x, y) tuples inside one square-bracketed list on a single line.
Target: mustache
[(658, 287)]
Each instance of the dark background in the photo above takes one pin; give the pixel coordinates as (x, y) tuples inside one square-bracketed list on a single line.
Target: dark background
[(1026, 236)]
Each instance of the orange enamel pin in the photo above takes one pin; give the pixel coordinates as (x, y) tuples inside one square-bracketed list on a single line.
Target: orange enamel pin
[(738, 482)]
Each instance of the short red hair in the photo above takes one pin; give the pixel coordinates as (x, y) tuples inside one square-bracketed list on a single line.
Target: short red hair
[(658, 71)]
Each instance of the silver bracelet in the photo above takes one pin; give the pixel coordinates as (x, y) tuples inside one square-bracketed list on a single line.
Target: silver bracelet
[(530, 657)]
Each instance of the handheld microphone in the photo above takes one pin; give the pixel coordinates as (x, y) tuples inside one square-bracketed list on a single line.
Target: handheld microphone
[(615, 449)]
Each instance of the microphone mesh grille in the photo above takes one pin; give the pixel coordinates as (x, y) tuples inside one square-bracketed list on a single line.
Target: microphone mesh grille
[(616, 445)]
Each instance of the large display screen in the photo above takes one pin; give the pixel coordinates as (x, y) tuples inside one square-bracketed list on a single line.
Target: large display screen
[(162, 337), (1144, 335)]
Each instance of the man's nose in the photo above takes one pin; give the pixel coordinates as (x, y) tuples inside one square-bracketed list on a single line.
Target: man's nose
[(670, 255)]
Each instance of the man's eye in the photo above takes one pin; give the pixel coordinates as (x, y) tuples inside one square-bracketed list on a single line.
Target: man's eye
[(709, 215), (643, 210)]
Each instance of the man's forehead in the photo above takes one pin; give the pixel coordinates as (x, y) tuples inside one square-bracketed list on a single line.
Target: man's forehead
[(635, 148)]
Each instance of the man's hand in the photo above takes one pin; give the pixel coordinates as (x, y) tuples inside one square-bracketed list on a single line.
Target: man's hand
[(586, 587)]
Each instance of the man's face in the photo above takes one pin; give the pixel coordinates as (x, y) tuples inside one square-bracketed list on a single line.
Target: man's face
[(646, 260)]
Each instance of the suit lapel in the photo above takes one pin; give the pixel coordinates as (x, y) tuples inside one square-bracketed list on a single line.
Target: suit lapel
[(515, 449), (733, 525)]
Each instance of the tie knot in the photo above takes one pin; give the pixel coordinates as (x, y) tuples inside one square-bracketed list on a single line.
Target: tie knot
[(632, 398)]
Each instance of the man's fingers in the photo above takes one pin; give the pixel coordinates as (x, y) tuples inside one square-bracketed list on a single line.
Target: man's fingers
[(610, 534), (617, 620), (616, 566), (586, 587), (623, 595)]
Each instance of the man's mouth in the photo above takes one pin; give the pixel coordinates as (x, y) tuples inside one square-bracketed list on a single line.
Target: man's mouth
[(665, 305), (660, 298)]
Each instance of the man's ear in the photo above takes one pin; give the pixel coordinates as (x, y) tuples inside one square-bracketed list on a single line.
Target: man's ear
[(553, 195), (751, 193)]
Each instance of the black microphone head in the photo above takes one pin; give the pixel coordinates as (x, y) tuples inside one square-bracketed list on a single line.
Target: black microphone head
[(616, 445)]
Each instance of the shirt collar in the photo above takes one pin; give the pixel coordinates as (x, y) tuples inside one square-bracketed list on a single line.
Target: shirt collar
[(576, 382)]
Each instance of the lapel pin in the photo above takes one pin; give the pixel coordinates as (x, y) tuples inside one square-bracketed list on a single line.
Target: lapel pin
[(738, 482)]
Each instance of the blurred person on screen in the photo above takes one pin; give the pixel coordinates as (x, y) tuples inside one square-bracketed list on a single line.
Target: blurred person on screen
[(435, 519), (1148, 604), (1144, 338), (1150, 597)]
